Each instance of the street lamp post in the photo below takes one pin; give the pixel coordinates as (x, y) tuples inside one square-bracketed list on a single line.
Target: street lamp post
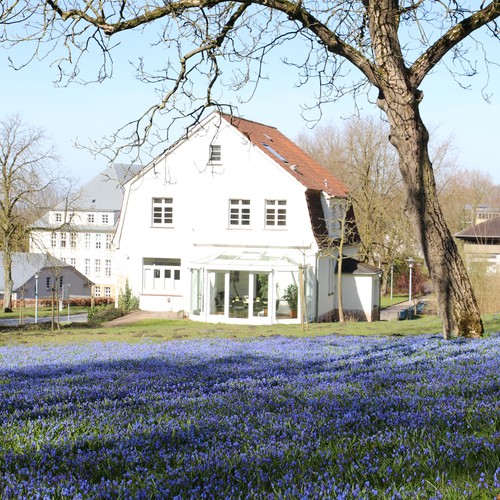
[(410, 261), (36, 297), (392, 277)]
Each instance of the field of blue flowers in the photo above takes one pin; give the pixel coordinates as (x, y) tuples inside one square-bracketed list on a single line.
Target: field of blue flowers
[(325, 417)]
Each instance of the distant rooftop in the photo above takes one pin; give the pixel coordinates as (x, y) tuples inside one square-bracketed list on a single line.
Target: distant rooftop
[(105, 191), (487, 230)]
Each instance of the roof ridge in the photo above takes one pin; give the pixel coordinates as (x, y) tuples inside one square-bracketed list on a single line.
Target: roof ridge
[(235, 117), (289, 156)]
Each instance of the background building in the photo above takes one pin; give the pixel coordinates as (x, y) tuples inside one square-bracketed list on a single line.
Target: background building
[(80, 231)]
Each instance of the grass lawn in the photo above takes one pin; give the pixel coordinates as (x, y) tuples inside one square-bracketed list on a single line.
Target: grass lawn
[(160, 330)]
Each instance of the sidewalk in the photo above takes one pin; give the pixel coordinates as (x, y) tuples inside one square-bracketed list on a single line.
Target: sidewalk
[(392, 312)]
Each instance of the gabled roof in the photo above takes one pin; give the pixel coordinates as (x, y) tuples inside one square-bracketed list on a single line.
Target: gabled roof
[(25, 265), (483, 232), (105, 191), (287, 154), (319, 224), (353, 266)]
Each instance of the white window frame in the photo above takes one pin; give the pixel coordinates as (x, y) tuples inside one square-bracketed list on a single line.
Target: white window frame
[(109, 241), (105, 219), (87, 240), (53, 239), (90, 218), (87, 267), (162, 277), (98, 241), (276, 214), (72, 240), (239, 213), (107, 268), (162, 212), (97, 267), (62, 240)]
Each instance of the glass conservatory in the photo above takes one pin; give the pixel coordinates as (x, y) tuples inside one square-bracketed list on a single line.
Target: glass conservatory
[(249, 287)]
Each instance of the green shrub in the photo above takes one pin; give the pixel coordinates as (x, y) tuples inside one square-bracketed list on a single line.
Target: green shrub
[(126, 300), (104, 313)]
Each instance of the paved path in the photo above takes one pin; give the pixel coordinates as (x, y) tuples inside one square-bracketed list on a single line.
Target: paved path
[(392, 312), (63, 318), (140, 315)]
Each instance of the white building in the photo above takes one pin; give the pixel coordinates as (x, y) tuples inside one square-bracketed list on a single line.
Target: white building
[(80, 232), (226, 219)]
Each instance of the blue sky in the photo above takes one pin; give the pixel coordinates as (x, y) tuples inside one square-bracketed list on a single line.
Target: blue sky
[(95, 110)]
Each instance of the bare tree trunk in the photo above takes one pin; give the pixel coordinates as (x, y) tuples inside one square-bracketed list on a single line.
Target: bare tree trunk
[(340, 257), (456, 300), (9, 282)]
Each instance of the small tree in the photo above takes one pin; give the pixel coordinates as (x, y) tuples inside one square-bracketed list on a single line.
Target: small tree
[(340, 232), (126, 300)]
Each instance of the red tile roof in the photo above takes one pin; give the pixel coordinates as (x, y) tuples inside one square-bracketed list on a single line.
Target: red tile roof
[(287, 154)]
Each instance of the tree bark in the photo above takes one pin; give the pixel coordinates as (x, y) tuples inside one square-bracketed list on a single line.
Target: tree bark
[(9, 282), (456, 300), (400, 98), (340, 260)]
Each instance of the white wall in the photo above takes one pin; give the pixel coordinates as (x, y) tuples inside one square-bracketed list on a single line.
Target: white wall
[(359, 293), (201, 194)]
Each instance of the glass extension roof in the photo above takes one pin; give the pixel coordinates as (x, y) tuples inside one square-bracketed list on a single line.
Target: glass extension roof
[(242, 260)]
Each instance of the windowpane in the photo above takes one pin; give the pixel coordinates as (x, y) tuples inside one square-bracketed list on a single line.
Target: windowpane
[(161, 274), (239, 212), (108, 267), (215, 152), (275, 213), (162, 211)]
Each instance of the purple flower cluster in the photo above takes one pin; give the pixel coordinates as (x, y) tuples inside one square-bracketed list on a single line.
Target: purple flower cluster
[(273, 418)]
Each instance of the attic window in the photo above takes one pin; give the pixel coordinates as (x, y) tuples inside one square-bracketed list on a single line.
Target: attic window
[(275, 153), (215, 152)]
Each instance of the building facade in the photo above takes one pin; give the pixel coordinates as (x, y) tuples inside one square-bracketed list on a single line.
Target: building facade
[(230, 223), (80, 231)]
